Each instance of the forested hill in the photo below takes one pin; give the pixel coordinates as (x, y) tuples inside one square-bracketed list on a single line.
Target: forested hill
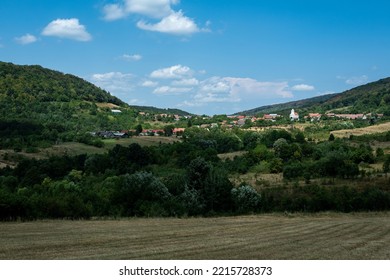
[(35, 83), (373, 97), (40, 107)]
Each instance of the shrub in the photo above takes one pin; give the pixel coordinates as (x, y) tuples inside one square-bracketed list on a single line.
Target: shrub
[(246, 199)]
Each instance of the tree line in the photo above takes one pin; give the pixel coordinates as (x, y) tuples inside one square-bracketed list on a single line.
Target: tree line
[(189, 179)]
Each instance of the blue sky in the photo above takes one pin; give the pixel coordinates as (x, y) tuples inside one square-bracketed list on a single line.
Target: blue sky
[(205, 57)]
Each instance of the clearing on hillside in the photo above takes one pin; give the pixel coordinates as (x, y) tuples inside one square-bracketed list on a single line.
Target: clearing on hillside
[(380, 128), (273, 236)]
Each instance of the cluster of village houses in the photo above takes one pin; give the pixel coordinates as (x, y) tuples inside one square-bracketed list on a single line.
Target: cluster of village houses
[(235, 121)]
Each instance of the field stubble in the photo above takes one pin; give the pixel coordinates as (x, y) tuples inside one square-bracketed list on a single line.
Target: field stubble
[(271, 236)]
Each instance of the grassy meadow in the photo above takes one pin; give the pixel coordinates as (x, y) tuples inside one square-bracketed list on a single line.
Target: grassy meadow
[(351, 236)]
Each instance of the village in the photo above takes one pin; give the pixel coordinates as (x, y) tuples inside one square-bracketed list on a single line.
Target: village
[(173, 122)]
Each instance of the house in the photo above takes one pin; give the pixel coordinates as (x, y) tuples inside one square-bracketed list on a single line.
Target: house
[(116, 111), (241, 122), (120, 135), (178, 131), (112, 134), (314, 116), (270, 117), (294, 116)]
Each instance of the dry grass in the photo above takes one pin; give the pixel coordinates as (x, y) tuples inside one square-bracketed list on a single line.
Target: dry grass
[(380, 128), (257, 180), (273, 236), (107, 105), (232, 155), (141, 140)]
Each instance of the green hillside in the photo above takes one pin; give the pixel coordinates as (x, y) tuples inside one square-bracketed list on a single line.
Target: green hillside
[(40, 107), (373, 97), (154, 110), (35, 83)]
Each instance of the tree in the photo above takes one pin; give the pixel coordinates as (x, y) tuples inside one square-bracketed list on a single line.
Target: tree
[(138, 129), (379, 153), (189, 123), (331, 137), (197, 173), (142, 194), (300, 137), (168, 130), (386, 164), (246, 199)]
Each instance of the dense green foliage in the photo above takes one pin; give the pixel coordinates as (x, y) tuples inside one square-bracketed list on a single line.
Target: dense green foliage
[(40, 107), (35, 83), (187, 178)]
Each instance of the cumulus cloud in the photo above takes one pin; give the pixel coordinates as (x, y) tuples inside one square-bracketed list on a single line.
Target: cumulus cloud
[(26, 39), (176, 24), (114, 82), (303, 87), (231, 89), (150, 8), (113, 12), (67, 28), (149, 83), (186, 82), (167, 90), (171, 21), (133, 57), (173, 72)]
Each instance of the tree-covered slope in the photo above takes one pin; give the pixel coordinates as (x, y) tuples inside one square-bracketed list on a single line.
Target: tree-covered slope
[(373, 97), (39, 107), (35, 83)]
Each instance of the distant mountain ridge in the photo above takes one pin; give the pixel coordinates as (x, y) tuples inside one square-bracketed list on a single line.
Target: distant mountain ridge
[(373, 97)]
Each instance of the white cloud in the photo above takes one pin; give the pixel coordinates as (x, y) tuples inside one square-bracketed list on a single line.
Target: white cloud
[(171, 90), (113, 12), (133, 57), (356, 81), (186, 82), (171, 21), (230, 89), (26, 39), (149, 83), (67, 28), (150, 8), (303, 87), (173, 72), (114, 82), (176, 24)]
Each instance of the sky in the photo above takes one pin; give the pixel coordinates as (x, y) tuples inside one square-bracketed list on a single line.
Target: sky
[(203, 56)]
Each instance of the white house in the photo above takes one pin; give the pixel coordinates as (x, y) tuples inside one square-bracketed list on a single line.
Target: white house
[(294, 116)]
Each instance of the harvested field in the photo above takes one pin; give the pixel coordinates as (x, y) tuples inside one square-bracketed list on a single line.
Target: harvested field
[(380, 128), (272, 236)]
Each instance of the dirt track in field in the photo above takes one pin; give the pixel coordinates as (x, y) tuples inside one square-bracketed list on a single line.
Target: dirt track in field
[(273, 236)]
